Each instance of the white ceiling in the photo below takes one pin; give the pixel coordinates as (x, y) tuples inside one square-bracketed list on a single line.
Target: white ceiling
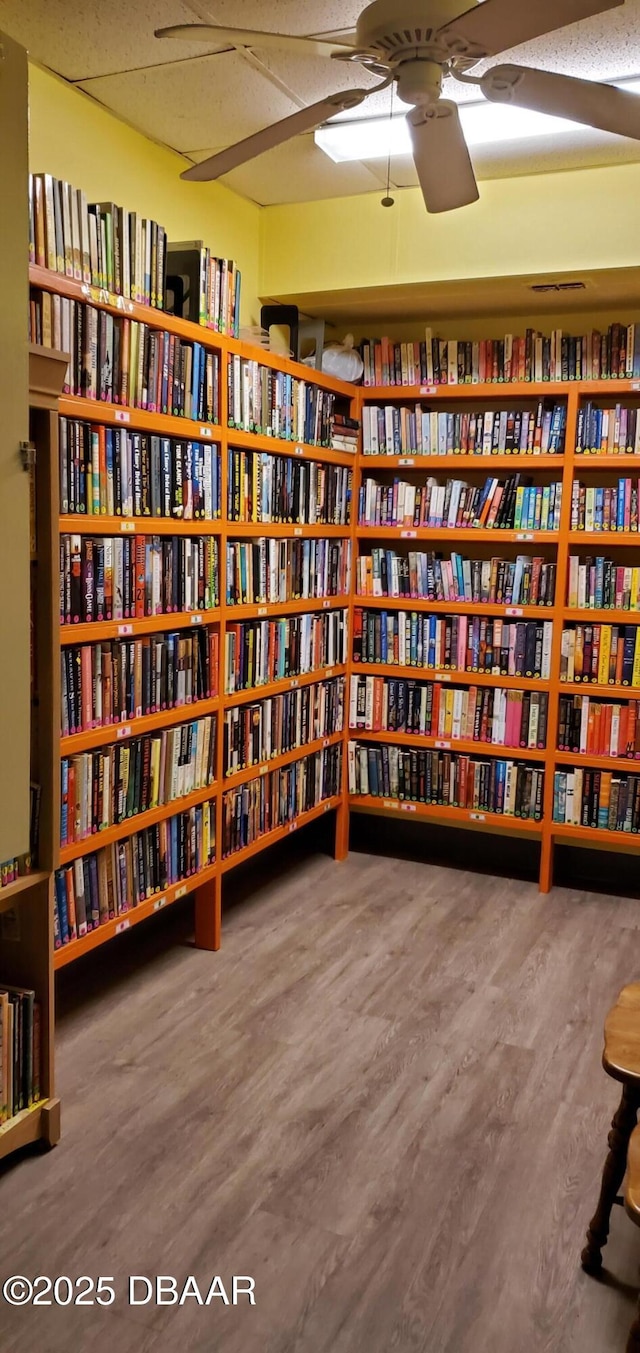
[(198, 102)]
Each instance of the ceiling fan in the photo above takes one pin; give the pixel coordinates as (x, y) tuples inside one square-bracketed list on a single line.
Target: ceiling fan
[(416, 43)]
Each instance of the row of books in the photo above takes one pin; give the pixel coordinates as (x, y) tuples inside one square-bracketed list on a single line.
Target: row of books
[(20, 1050), (120, 361), (267, 570), (599, 727), (120, 679), (419, 775), (610, 508), (510, 503), (20, 865), (505, 718), (399, 430), (113, 880), (345, 433), (219, 285), (607, 432), (279, 797), (597, 583), (530, 357), (607, 655), (453, 643), (420, 575), (266, 488), (115, 472), (103, 788), (259, 731), (113, 578), (98, 243), (607, 800), (278, 404), (258, 652)]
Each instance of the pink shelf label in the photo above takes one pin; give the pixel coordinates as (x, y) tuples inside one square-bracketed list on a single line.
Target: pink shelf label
[(125, 629), (297, 530), (514, 610), (525, 535), (409, 535), (294, 683), (299, 451), (428, 389), (122, 925), (443, 746), (125, 731), (122, 416)]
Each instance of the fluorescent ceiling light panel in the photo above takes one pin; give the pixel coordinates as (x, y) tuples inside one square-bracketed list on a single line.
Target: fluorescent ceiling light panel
[(374, 138)]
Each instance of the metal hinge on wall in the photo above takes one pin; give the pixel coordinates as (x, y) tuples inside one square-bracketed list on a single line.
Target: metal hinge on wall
[(27, 456)]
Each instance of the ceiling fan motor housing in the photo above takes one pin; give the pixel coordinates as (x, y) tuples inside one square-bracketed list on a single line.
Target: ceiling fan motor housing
[(398, 31)]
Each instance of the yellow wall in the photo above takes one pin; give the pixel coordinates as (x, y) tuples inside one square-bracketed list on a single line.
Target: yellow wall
[(585, 218), (73, 138)]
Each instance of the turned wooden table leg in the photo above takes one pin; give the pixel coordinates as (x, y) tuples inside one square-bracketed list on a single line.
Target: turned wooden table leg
[(615, 1165)]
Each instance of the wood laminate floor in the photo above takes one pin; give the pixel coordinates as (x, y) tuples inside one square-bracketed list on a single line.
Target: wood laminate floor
[(383, 1100)]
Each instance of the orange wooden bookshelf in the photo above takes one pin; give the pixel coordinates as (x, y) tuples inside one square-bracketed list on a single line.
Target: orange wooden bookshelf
[(556, 546), (104, 734)]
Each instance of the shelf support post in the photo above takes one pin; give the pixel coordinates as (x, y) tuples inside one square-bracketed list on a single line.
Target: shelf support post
[(209, 914)]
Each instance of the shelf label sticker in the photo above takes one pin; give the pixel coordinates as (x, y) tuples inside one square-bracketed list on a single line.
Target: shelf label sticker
[(125, 629), (263, 610), (160, 902), (206, 432), (409, 535), (297, 530), (196, 619), (122, 925), (329, 672), (292, 826), (127, 526), (428, 389), (326, 605), (525, 535), (388, 803), (181, 892), (635, 385), (325, 742), (263, 770), (443, 746), (444, 676), (294, 683), (514, 610), (299, 451), (122, 416), (406, 460), (477, 817), (408, 807), (125, 731), (328, 806)]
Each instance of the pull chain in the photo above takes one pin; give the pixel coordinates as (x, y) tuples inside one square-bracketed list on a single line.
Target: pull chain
[(388, 200)]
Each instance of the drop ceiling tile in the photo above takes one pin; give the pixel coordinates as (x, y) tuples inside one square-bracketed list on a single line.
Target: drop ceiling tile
[(100, 37), (215, 101), (312, 78), (296, 172), (284, 16)]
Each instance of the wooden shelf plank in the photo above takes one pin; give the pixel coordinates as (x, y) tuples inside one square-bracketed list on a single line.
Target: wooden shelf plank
[(271, 609), (592, 688), (621, 763), (415, 460), (76, 948), (23, 1129), (148, 624), (278, 834), (137, 526), (237, 530), (488, 608), (586, 461), (606, 538), (451, 677), (487, 390), (12, 892), (277, 446), (240, 777), (255, 693), (362, 803), (121, 415), (454, 533), (596, 836), (132, 728), (462, 747), (137, 823), (593, 617)]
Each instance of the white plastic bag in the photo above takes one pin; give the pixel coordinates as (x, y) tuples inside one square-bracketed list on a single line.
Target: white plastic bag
[(342, 361)]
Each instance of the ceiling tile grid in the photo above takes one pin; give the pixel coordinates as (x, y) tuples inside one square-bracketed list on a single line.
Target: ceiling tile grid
[(197, 102)]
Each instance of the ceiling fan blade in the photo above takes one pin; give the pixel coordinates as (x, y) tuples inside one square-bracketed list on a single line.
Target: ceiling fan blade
[(601, 106), (498, 25), (229, 38), (441, 157), (303, 121)]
